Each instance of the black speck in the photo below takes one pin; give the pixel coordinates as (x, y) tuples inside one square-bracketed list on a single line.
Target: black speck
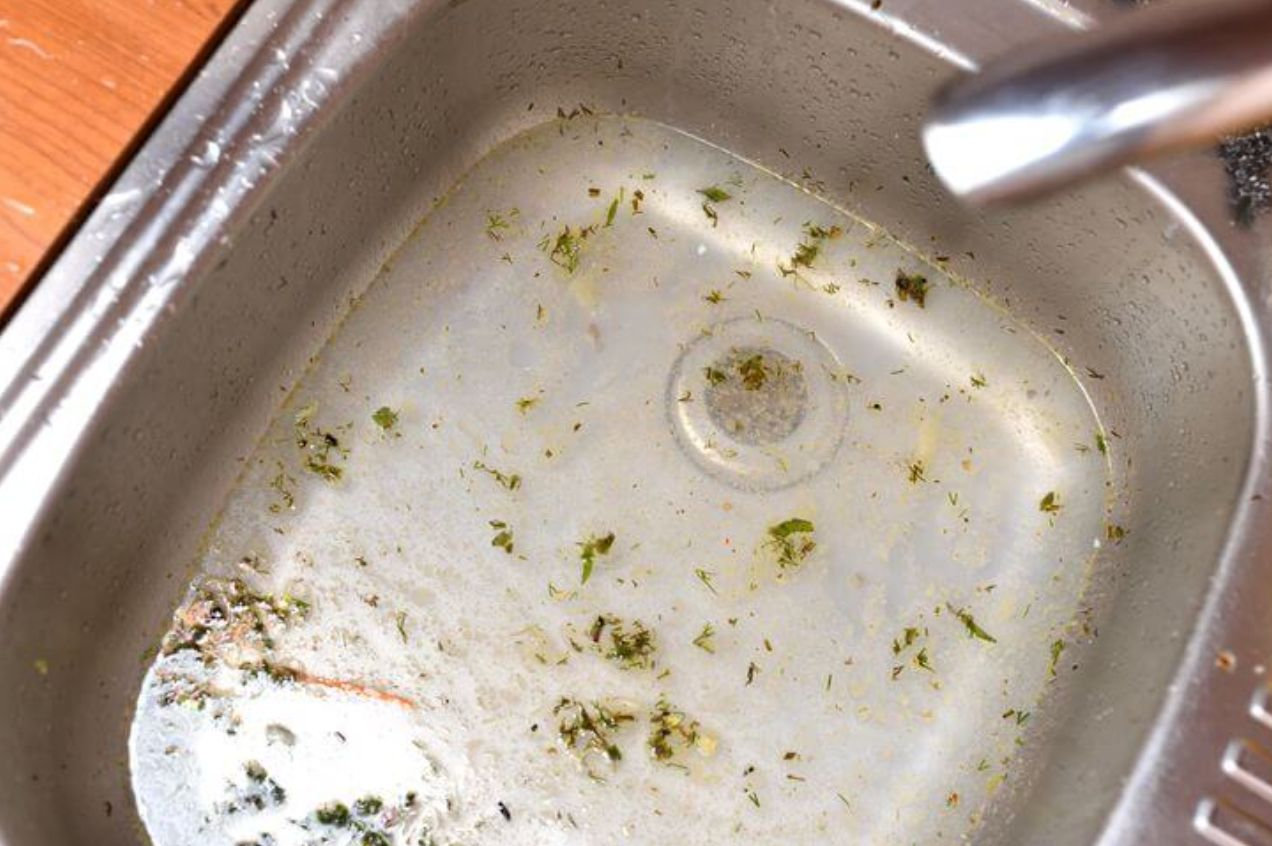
[(1247, 159), (504, 812)]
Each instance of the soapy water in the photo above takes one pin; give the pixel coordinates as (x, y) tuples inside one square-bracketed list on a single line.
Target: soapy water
[(634, 502)]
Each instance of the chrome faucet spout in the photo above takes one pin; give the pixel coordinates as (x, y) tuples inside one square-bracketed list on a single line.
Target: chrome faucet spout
[(1156, 81)]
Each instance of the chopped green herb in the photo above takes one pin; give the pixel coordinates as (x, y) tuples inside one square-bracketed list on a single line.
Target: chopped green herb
[(704, 639), (591, 548), (969, 622), (1015, 714), (711, 213), (318, 445), (400, 619), (631, 645), (792, 540), (670, 732), (705, 576), (715, 297), (752, 670), (1114, 532), (915, 472), (1050, 503), (1057, 647), (503, 536), (755, 799), (908, 636), (807, 251), (526, 403), (912, 286), (385, 417), (281, 483), (978, 381), (715, 194), (496, 224), (368, 805), (921, 660), (585, 730), (510, 481), (333, 813), (611, 212), (714, 375), (566, 249), (753, 372), (1101, 444)]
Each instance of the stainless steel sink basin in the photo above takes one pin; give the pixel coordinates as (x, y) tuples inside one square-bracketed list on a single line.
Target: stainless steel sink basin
[(1066, 436)]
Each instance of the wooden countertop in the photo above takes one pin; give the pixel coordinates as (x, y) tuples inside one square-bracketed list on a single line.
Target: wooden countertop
[(79, 83)]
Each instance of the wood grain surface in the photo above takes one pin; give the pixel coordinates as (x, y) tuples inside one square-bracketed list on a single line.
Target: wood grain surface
[(79, 80)]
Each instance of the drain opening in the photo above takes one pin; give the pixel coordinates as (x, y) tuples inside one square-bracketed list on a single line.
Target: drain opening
[(757, 403)]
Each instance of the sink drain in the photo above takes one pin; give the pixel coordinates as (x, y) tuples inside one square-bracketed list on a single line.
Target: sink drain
[(758, 404)]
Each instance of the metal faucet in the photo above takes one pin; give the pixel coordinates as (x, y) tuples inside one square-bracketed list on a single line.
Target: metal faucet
[(1155, 81)]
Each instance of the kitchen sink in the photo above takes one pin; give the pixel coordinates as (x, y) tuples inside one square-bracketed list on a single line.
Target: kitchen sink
[(579, 422)]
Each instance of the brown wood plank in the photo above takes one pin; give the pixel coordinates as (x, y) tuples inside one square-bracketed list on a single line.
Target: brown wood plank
[(79, 79)]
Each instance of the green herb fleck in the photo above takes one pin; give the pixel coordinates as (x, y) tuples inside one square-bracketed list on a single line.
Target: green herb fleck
[(704, 639), (714, 375), (400, 619), (495, 225), (908, 636), (715, 194), (333, 813), (912, 286), (510, 481), (978, 381), (1015, 714), (630, 645), (281, 484), (566, 249), (921, 660), (611, 212), (792, 540), (671, 731), (1057, 647), (503, 536), (807, 251), (1050, 503), (1101, 444), (711, 213), (969, 622), (915, 472), (705, 577), (526, 403), (591, 548), (368, 805), (753, 372), (752, 670), (715, 297), (585, 730), (1114, 532), (755, 799), (385, 417), (318, 445)]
